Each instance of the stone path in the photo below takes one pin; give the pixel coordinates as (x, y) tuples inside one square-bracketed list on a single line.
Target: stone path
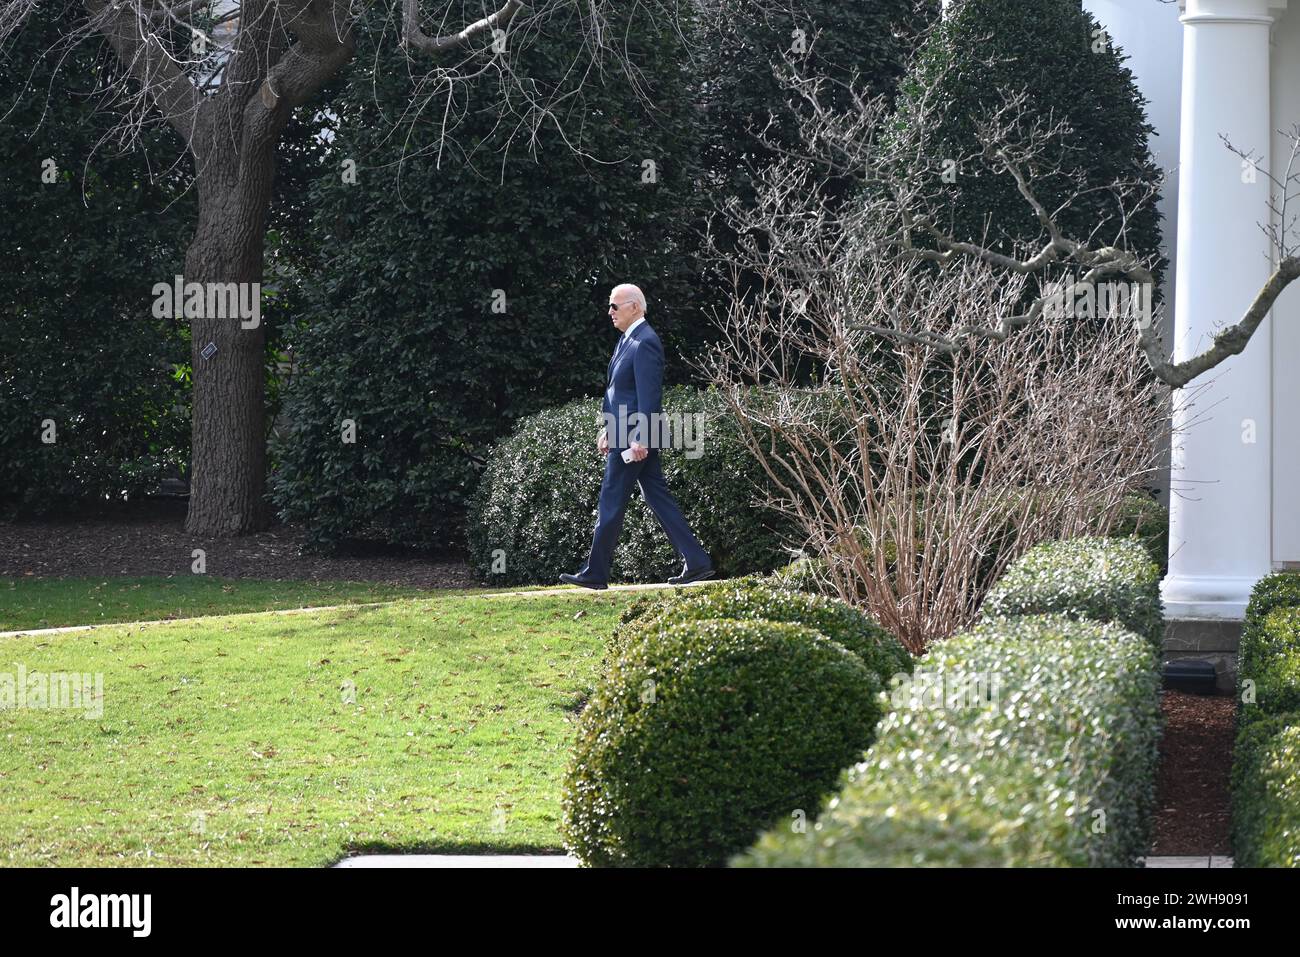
[(460, 860), (1200, 860)]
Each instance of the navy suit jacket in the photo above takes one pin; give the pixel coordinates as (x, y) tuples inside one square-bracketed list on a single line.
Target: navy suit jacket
[(635, 384)]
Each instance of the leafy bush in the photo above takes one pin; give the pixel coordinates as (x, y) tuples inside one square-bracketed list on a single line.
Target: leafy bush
[(1266, 793), (1278, 590), (1104, 579), (807, 574), (79, 345), (698, 740), (538, 498), (1145, 519), (745, 601), (651, 604), (463, 285), (1269, 656), (984, 49), (1052, 764)]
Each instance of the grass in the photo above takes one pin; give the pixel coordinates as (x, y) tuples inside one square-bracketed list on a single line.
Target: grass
[(424, 725), (54, 602)]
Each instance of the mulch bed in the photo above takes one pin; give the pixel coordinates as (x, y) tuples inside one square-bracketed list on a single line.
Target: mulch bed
[(1193, 808), (149, 538)]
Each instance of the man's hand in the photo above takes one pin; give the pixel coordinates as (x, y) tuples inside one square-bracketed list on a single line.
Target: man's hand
[(602, 443), (638, 452)]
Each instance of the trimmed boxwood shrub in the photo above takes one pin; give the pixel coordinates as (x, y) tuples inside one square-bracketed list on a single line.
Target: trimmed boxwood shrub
[(538, 498), (880, 651), (1278, 590), (1266, 793), (1104, 579), (807, 574), (1268, 650), (1144, 518), (1056, 767), (1269, 656), (696, 741)]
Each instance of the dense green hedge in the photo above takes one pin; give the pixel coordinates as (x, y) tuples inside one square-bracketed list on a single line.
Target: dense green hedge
[(1264, 650), (880, 651), (79, 345), (1266, 793), (1103, 579), (697, 740), (1053, 766), (652, 603), (1266, 758), (458, 284), (538, 496), (1278, 590), (1147, 520), (986, 49), (806, 574), (1269, 656)]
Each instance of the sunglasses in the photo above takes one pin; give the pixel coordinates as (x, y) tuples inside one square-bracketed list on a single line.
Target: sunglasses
[(619, 305)]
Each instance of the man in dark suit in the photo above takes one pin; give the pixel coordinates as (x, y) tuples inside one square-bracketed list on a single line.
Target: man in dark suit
[(633, 394)]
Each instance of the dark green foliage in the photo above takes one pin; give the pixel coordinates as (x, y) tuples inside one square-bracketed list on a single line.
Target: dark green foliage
[(1052, 765), (537, 501), (1144, 518), (403, 267), (652, 603), (1103, 579), (807, 574), (78, 342), (1266, 793), (1269, 649), (1265, 768), (745, 40), (1278, 590), (1269, 658), (747, 600), (699, 739), (1051, 49)]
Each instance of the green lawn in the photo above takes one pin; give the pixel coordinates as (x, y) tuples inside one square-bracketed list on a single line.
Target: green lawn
[(238, 741), (53, 602)]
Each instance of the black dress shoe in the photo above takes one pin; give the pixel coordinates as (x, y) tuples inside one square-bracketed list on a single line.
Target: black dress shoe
[(584, 582), (687, 576)]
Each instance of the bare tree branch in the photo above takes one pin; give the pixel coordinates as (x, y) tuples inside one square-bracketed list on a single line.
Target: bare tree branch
[(413, 36)]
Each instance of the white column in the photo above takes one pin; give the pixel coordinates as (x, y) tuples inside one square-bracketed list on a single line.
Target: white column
[(1220, 510)]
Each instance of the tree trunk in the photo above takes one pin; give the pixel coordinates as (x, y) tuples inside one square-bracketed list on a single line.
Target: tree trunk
[(228, 429)]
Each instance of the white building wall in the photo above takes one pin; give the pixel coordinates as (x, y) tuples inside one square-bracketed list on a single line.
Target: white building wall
[(1286, 312)]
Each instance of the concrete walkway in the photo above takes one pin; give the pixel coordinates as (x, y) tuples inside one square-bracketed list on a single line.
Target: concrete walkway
[(1200, 860), (460, 860), (562, 590)]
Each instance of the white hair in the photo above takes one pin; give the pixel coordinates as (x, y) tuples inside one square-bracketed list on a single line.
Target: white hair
[(634, 291)]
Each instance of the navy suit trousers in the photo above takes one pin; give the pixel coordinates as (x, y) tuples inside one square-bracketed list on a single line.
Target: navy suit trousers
[(615, 490)]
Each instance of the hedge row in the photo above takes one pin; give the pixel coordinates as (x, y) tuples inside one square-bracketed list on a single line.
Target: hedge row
[(1052, 764), (1030, 740), (1102, 579), (1266, 793), (1266, 759)]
